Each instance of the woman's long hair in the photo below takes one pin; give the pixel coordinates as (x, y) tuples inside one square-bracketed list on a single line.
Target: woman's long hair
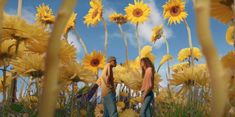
[(148, 63)]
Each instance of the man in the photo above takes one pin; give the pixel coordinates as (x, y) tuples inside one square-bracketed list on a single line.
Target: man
[(106, 81)]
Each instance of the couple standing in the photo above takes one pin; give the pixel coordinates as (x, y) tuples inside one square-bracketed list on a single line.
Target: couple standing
[(108, 89)]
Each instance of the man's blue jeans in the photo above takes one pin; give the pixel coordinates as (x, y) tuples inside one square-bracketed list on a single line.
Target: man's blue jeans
[(146, 106), (110, 109)]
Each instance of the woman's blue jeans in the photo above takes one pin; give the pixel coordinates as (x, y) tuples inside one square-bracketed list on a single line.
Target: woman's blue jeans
[(110, 109), (146, 106)]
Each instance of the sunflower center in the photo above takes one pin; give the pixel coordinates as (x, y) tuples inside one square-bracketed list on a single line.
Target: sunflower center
[(95, 62), (138, 12), (94, 14), (175, 10)]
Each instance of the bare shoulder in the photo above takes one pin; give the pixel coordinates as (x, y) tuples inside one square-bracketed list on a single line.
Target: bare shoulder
[(149, 69)]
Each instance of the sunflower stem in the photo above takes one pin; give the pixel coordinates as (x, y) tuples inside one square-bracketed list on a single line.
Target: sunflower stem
[(125, 41), (217, 73), (234, 23), (19, 11), (105, 37), (4, 83), (189, 40), (138, 38), (50, 90), (79, 38), (2, 4)]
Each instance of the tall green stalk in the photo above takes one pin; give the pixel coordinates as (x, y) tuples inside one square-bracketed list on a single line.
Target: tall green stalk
[(138, 38), (125, 41)]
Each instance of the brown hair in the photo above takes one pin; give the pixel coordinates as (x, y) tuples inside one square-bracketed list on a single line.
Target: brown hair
[(148, 63)]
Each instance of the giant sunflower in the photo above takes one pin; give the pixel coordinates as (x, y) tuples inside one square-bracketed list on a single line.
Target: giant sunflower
[(94, 61), (228, 61), (75, 72), (95, 13), (222, 10), (197, 75), (157, 33), (138, 12), (67, 51), (16, 28), (230, 35), (71, 23), (7, 51), (29, 65), (99, 110), (146, 51), (165, 58), (174, 11), (39, 41), (118, 18), (44, 14), (185, 54)]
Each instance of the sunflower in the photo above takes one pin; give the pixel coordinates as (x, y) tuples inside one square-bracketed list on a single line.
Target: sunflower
[(157, 33), (67, 52), (228, 61), (146, 51), (230, 35), (71, 23), (44, 14), (7, 51), (174, 11), (120, 106), (95, 13), (136, 100), (129, 113), (29, 65), (138, 12), (132, 78), (16, 28), (166, 58), (180, 67), (39, 41), (185, 54), (75, 72), (99, 110), (197, 75), (94, 61), (222, 10), (118, 18)]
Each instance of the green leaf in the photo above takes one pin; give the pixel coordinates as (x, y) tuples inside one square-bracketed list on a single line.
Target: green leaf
[(17, 108)]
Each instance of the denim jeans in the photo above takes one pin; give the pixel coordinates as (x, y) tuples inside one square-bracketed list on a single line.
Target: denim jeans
[(110, 109), (146, 106)]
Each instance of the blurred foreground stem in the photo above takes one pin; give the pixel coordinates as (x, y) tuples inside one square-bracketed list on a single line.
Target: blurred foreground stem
[(50, 88), (217, 73)]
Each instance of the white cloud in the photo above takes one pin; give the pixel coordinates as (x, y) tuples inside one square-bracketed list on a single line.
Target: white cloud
[(155, 18), (107, 12), (27, 14), (72, 39)]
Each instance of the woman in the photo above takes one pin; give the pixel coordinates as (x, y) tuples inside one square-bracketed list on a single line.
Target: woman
[(148, 72)]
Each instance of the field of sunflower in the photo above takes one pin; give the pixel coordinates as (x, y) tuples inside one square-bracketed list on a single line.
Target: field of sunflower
[(54, 83)]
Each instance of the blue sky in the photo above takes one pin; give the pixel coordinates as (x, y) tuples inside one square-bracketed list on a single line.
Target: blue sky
[(94, 36)]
